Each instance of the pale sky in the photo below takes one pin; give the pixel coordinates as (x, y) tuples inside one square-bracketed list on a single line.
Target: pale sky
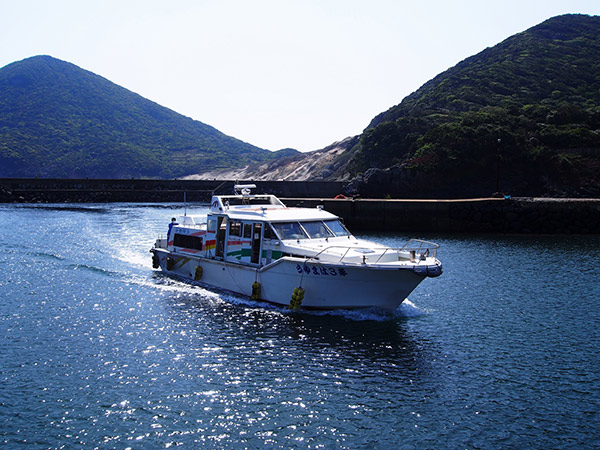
[(273, 73)]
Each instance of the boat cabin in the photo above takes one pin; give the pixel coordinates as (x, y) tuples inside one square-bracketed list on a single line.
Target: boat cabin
[(254, 230)]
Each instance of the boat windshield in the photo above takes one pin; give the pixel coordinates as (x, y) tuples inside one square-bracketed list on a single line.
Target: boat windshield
[(313, 229), (289, 230), (316, 229), (337, 228)]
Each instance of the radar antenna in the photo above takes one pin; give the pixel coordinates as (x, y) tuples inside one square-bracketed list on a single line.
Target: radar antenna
[(244, 189)]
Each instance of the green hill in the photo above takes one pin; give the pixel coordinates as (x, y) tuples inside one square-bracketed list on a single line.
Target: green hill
[(57, 120), (521, 117)]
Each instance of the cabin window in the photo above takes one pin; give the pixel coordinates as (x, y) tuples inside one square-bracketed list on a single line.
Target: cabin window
[(235, 228), (269, 233), (289, 230), (337, 228), (185, 241), (212, 225), (316, 230), (247, 230)]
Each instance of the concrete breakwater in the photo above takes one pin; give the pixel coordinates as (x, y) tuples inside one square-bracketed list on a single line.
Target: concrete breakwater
[(489, 215), (45, 190)]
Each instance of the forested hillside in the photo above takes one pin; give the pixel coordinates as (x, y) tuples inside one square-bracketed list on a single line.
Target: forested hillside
[(57, 120), (521, 117)]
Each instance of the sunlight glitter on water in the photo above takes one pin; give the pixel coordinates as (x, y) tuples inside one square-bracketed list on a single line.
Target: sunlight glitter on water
[(100, 350)]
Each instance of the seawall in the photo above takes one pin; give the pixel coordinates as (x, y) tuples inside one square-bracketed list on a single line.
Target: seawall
[(488, 215), (46, 190)]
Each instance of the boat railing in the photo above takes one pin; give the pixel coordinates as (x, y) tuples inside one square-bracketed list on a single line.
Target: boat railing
[(414, 250), (160, 243), (421, 248)]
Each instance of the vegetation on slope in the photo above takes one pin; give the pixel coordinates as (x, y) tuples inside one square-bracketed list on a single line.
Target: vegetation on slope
[(523, 117), (57, 120)]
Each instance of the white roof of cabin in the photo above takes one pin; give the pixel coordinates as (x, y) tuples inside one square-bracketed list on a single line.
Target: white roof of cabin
[(280, 214), (288, 214), (272, 210)]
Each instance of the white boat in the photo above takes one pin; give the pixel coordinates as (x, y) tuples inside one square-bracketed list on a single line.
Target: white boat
[(255, 246)]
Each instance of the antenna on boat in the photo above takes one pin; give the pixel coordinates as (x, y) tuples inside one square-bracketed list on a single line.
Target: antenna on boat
[(243, 189), (184, 205)]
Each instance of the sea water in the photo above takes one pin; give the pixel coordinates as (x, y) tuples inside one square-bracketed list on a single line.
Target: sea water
[(98, 350)]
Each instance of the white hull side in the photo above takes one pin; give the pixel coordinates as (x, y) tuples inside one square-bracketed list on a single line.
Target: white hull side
[(360, 287), (327, 286)]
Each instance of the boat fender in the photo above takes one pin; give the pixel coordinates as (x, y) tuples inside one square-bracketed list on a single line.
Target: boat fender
[(198, 273), (297, 298), (170, 263), (255, 291), (155, 262)]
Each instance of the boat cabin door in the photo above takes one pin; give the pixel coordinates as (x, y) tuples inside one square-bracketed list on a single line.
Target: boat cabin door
[(221, 229), (256, 239)]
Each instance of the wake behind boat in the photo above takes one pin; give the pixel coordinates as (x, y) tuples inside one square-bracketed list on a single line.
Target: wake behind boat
[(256, 246)]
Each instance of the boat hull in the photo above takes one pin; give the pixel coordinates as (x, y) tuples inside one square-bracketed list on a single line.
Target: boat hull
[(325, 285)]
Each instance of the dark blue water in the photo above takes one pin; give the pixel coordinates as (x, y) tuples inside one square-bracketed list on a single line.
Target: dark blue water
[(97, 350)]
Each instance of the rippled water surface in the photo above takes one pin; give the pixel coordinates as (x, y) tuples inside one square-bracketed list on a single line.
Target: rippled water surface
[(99, 350)]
